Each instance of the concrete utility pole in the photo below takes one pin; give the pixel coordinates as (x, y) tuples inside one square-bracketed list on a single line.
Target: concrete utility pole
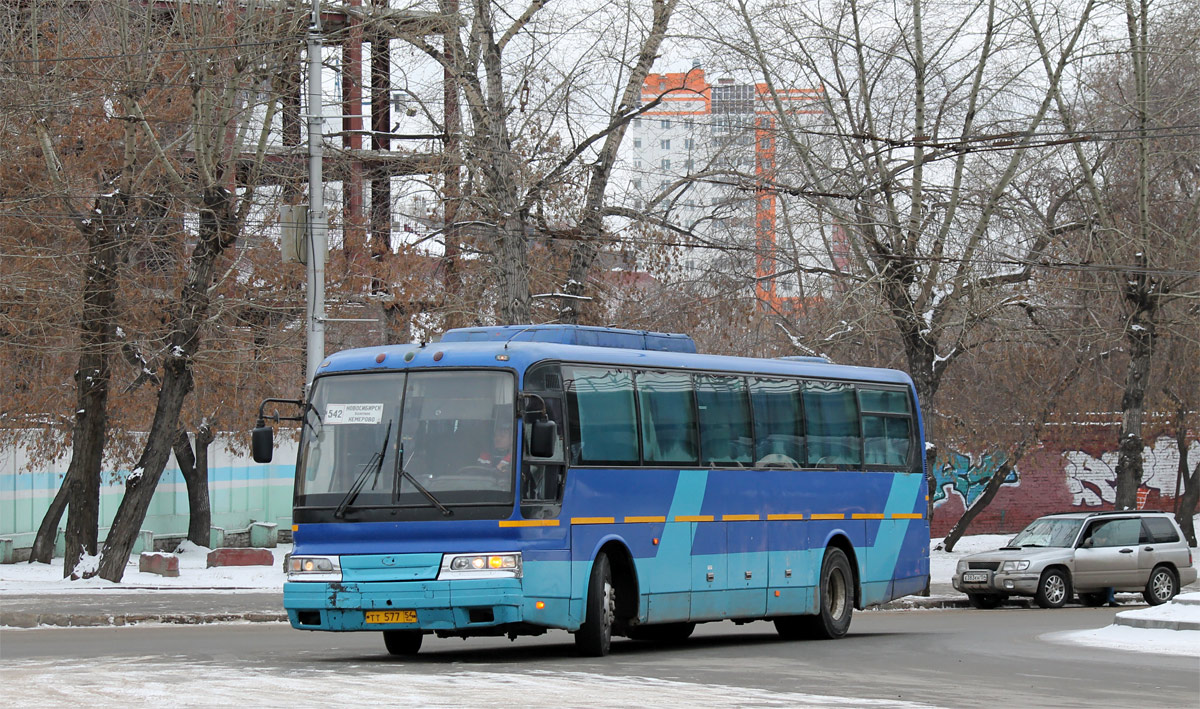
[(317, 218)]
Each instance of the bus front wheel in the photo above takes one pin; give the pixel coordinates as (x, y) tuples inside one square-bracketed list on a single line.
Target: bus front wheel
[(402, 642), (594, 637)]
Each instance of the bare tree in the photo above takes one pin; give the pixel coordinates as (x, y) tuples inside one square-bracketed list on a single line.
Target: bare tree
[(1141, 195), (900, 191), (228, 60)]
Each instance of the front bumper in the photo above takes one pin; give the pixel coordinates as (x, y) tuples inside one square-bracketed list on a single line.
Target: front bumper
[(440, 605), (1016, 583)]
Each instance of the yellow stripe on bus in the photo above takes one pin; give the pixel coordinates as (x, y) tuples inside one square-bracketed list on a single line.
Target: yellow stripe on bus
[(651, 519), (528, 523)]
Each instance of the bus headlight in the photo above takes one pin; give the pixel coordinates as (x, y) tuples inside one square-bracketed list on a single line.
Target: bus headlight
[(314, 568), (481, 566)]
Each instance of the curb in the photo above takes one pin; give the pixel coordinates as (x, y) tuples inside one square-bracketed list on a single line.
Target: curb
[(66, 620), (1156, 623)]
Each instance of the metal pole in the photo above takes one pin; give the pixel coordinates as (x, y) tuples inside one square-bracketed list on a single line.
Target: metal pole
[(317, 218)]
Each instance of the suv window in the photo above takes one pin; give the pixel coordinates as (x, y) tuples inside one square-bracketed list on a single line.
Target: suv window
[(1160, 530), (1113, 533)]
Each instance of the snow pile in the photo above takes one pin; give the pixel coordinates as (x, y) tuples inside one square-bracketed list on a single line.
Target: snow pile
[(193, 574), (1184, 608)]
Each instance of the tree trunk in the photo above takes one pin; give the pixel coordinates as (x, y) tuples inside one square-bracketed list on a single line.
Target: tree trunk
[(981, 503), (216, 235), (43, 542), (97, 340), (194, 467), (1191, 487), (1140, 336)]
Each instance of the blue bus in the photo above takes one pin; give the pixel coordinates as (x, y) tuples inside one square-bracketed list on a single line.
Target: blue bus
[(507, 481)]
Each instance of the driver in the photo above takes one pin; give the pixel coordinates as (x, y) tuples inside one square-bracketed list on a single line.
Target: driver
[(499, 454)]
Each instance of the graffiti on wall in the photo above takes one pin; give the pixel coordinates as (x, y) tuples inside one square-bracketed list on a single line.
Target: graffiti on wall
[(966, 477), (1093, 481)]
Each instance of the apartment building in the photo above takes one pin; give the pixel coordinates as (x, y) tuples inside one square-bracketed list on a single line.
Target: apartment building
[(703, 158)]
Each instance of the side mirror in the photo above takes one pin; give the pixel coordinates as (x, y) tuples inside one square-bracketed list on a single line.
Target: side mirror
[(262, 444), (541, 438)]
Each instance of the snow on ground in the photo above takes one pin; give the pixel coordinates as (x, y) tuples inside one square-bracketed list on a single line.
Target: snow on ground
[(106, 684), (1183, 608), (27, 578)]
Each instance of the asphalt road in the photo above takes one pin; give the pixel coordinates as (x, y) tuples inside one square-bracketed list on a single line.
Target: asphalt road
[(949, 658)]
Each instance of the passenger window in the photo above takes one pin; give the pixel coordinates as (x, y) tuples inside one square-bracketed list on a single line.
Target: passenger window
[(1115, 533), (603, 428), (668, 414), (1160, 530), (831, 418), (724, 413), (887, 426), (886, 440), (778, 423)]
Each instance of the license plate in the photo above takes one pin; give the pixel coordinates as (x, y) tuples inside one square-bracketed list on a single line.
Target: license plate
[(391, 616), (975, 577)]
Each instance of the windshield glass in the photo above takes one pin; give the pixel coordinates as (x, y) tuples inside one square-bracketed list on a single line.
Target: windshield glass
[(1048, 532), (454, 428)]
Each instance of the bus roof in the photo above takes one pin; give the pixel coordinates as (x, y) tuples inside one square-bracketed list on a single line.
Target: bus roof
[(519, 355), (575, 335)]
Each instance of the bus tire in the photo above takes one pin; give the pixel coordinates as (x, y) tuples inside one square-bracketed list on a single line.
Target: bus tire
[(594, 637), (835, 596), (403, 642)]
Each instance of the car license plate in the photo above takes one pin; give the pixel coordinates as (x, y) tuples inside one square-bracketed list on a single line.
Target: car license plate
[(391, 616), (975, 577)]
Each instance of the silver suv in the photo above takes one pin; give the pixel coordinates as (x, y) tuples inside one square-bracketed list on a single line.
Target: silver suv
[(1082, 552)]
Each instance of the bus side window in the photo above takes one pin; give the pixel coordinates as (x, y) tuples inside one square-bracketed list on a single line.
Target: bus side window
[(603, 423), (724, 413), (887, 426), (831, 417), (778, 423)]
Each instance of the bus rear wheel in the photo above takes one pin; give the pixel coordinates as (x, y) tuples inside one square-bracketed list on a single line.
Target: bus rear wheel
[(835, 598), (403, 642), (594, 637)]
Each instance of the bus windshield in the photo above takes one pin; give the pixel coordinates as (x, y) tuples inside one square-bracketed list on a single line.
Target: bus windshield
[(431, 440)]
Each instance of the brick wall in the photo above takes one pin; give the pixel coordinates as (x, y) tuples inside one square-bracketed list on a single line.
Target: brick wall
[(1071, 471)]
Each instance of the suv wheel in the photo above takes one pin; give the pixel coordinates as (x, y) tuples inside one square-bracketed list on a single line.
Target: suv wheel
[(1161, 587), (1054, 590)]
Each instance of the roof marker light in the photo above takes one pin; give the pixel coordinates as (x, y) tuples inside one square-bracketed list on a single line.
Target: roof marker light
[(380, 357), (437, 356)]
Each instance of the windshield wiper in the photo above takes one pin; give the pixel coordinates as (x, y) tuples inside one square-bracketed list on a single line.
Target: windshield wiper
[(372, 467), (402, 474)]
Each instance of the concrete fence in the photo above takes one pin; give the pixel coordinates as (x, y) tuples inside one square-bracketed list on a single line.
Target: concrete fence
[(245, 496)]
